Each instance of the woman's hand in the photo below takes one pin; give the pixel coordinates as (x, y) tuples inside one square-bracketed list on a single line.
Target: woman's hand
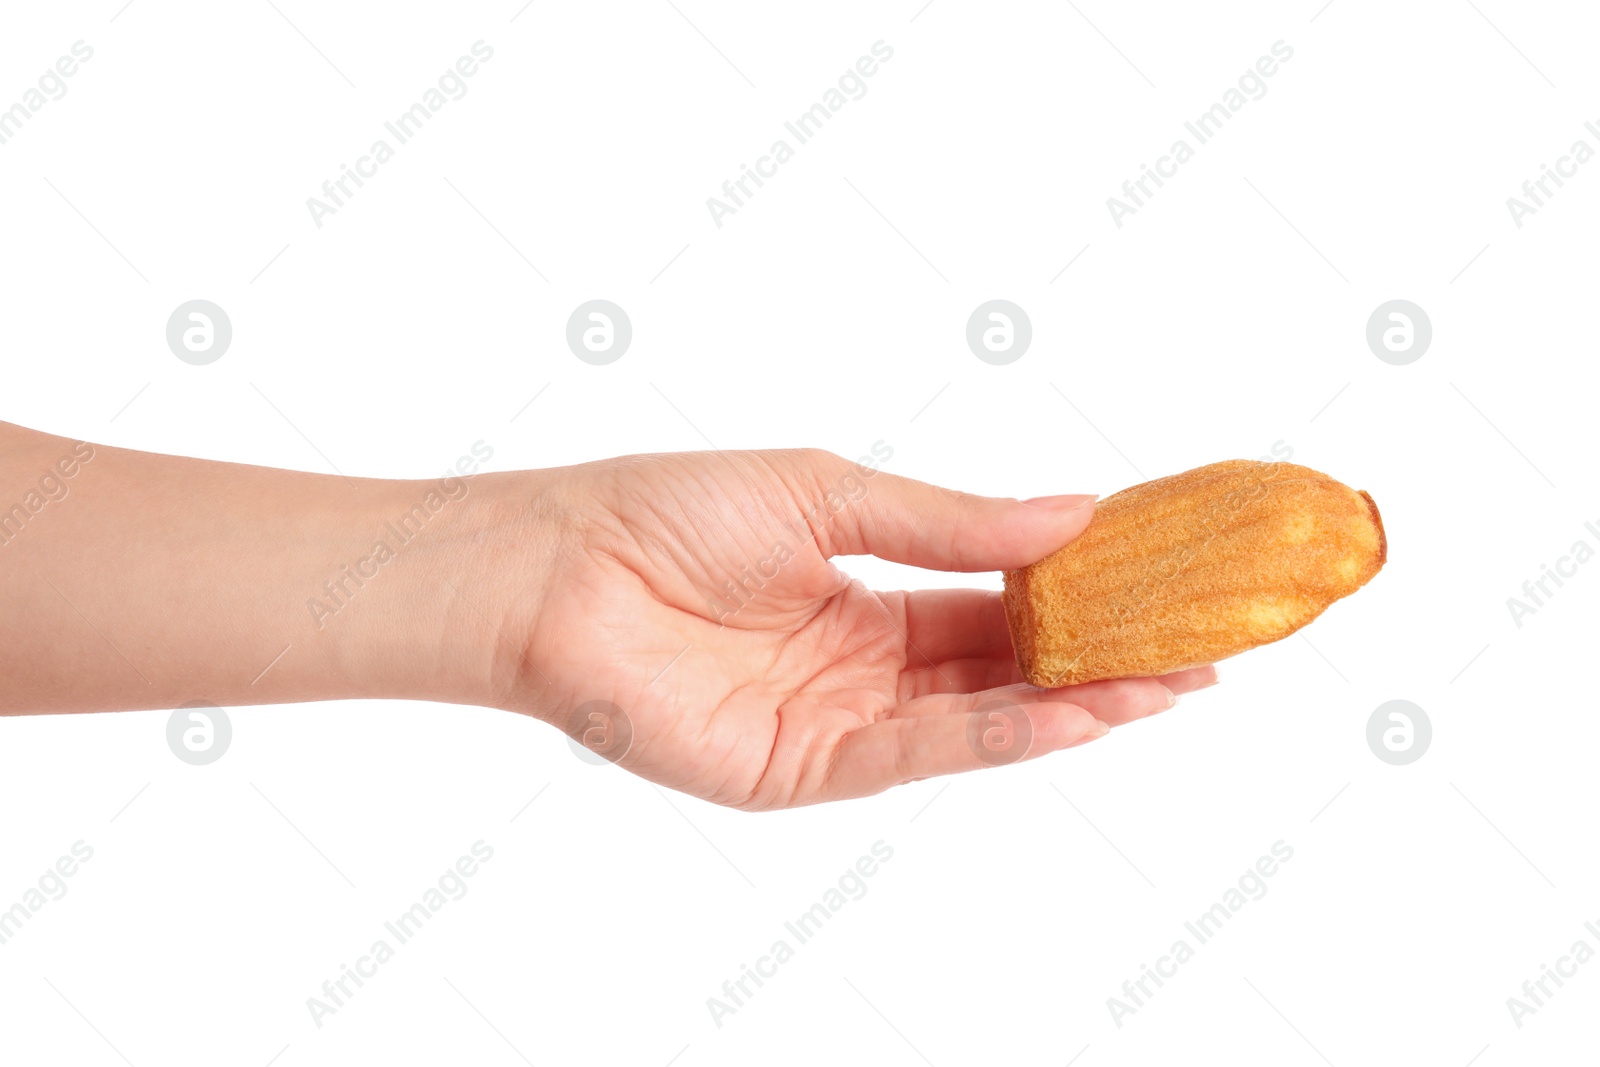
[(689, 625), (678, 613)]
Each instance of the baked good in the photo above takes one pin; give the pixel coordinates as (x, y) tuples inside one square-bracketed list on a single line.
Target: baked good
[(1192, 568)]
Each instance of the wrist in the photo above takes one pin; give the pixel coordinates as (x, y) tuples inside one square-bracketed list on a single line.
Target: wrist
[(469, 559)]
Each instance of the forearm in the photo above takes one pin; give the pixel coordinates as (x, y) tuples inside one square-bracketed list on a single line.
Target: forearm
[(133, 580)]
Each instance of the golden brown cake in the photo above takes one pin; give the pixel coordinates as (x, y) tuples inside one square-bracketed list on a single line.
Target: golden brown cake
[(1193, 568)]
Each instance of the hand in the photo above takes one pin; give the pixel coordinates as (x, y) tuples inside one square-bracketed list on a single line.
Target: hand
[(695, 593)]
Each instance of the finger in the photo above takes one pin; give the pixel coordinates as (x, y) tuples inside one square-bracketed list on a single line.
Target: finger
[(955, 676), (1188, 681), (908, 521), (960, 702), (1117, 701), (888, 753), (947, 624), (1122, 699), (1113, 702)]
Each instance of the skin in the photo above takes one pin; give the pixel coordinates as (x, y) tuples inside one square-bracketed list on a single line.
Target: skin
[(147, 581)]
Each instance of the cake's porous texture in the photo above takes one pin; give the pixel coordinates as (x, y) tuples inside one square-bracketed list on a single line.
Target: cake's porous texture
[(1191, 569)]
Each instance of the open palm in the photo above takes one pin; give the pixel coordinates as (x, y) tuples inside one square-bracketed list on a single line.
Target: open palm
[(693, 629)]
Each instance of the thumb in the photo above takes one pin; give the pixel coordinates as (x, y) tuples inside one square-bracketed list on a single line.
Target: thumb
[(907, 521)]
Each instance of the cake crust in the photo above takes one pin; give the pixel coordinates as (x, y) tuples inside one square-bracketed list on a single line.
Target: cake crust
[(1190, 569)]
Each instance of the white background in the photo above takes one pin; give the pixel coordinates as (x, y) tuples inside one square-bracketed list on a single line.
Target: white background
[(1224, 317)]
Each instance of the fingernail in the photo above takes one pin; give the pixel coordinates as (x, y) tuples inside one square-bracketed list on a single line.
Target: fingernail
[(1066, 502), (1172, 698), (1096, 730)]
